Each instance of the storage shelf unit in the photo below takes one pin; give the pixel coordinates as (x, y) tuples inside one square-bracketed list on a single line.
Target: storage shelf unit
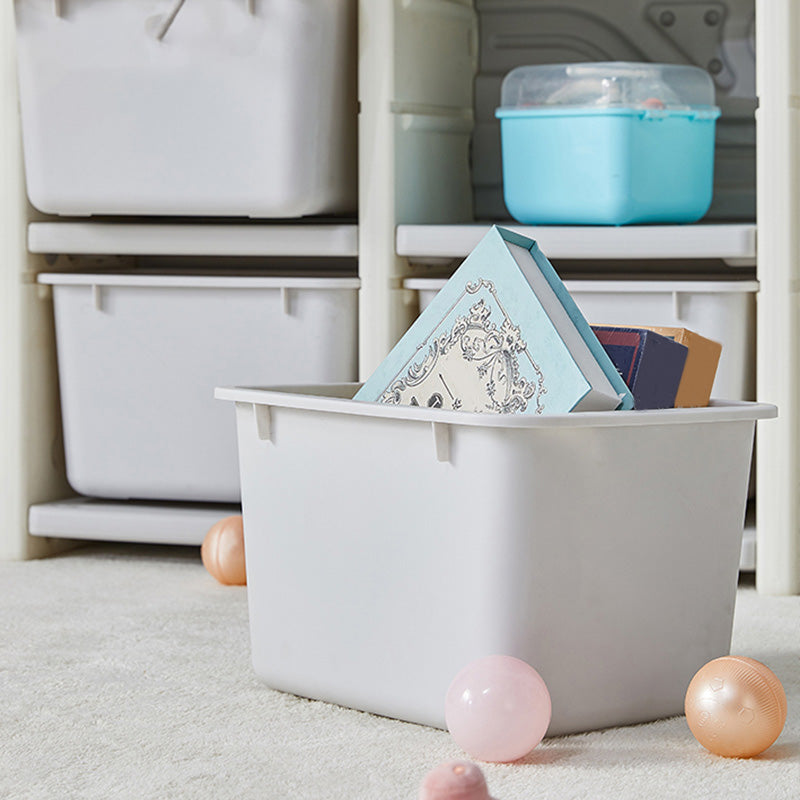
[(152, 523), (416, 114), (193, 239), (734, 243)]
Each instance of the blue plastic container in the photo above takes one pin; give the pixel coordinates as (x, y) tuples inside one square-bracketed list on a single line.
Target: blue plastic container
[(607, 144)]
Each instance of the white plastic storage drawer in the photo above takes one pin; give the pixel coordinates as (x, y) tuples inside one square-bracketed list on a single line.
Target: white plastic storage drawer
[(139, 357), (240, 108), (724, 311), (389, 546)]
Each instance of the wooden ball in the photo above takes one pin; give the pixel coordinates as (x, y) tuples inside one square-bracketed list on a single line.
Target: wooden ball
[(222, 551), (735, 707)]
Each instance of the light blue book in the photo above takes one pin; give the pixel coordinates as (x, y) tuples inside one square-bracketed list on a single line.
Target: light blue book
[(504, 336)]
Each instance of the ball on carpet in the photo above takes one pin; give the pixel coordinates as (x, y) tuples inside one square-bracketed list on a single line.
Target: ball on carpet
[(735, 706), (454, 780), (222, 551), (498, 708)]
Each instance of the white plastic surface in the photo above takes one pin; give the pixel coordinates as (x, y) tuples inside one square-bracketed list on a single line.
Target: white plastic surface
[(416, 66), (114, 521), (139, 356), (229, 113), (724, 311), (31, 467), (402, 559), (778, 510)]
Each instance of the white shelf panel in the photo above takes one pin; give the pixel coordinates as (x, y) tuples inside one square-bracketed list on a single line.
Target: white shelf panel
[(735, 243), (192, 239), (122, 521)]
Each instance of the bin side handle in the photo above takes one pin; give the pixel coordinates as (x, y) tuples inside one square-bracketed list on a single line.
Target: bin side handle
[(263, 422), (441, 440), (677, 305)]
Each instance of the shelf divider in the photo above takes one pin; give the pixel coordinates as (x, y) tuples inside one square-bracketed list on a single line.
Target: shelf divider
[(193, 239), (127, 521), (734, 243)]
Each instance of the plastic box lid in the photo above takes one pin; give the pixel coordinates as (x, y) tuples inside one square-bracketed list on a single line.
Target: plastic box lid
[(609, 85)]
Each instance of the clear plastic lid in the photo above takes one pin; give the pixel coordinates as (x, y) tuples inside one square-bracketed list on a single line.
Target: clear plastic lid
[(608, 84)]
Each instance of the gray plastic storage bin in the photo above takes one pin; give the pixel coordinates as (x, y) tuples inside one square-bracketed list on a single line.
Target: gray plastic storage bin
[(389, 546), (225, 108), (139, 357)]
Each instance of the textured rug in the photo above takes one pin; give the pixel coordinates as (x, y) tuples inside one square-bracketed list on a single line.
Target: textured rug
[(125, 673)]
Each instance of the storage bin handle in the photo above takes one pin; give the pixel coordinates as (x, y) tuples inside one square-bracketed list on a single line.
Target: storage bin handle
[(677, 306), (441, 440), (263, 422)]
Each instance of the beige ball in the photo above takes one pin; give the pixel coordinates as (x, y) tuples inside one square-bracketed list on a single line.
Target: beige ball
[(223, 551), (735, 707)]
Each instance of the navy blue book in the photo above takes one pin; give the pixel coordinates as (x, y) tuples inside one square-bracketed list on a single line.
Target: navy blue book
[(650, 364)]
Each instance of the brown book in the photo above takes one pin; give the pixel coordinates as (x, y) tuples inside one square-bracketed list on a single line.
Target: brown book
[(700, 369)]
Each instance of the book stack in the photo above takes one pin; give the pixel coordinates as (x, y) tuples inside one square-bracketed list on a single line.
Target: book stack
[(702, 361), (664, 367), (650, 364), (504, 336)]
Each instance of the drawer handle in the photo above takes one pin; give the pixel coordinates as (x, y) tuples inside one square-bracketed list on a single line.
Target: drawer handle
[(263, 422), (441, 440)]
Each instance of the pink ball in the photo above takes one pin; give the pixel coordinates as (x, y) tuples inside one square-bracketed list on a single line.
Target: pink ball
[(454, 780), (498, 708)]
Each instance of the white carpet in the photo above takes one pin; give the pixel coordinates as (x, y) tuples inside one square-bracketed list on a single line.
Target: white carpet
[(125, 673)]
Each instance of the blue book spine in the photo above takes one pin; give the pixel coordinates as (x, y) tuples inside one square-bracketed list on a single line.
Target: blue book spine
[(571, 307)]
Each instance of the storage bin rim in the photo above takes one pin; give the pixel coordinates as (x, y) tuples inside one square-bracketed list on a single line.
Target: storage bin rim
[(639, 285), (692, 113), (198, 281), (336, 398)]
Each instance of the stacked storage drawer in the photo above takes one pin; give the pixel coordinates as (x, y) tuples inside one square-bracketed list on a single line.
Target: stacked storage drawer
[(724, 311), (212, 107), (139, 357), (204, 109)]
